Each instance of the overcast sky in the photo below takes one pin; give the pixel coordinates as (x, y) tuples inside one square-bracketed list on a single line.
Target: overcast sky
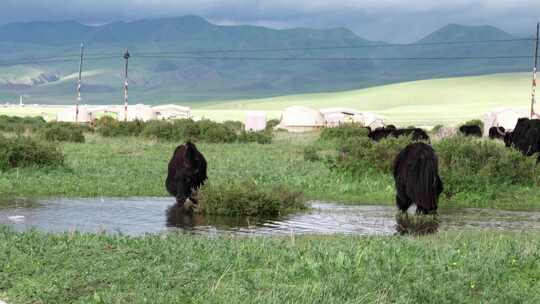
[(388, 20)]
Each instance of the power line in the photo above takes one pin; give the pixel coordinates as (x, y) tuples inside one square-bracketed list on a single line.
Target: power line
[(375, 45)]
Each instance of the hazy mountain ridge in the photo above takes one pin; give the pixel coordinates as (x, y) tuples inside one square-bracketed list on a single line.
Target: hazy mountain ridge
[(167, 78)]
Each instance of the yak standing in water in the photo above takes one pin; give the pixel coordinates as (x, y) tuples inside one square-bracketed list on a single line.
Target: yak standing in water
[(417, 178), (186, 174)]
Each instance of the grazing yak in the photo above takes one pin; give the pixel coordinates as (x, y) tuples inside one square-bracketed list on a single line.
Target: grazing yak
[(471, 130), (415, 133), (417, 179), (186, 174), (497, 133), (525, 137)]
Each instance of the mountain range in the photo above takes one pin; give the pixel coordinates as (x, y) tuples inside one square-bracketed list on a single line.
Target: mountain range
[(182, 60)]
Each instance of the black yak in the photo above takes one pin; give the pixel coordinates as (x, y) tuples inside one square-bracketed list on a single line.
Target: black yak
[(496, 133), (470, 130), (415, 133), (526, 136), (186, 174), (417, 178)]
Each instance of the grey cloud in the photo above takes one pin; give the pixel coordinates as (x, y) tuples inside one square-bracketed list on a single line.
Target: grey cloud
[(390, 20)]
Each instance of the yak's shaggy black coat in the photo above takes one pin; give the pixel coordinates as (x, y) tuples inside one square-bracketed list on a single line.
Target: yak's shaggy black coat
[(415, 133), (187, 172), (417, 178), (526, 136), (470, 130), (497, 133)]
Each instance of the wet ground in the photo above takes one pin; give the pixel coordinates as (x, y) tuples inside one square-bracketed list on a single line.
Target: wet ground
[(137, 216)]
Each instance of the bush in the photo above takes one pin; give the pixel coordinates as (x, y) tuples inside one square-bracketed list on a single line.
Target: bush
[(311, 153), (271, 124), (436, 128), (24, 152), (344, 131), (361, 154), (62, 132), (471, 165), (161, 129), (109, 127), (213, 132), (236, 126), (261, 137), (20, 124), (248, 199)]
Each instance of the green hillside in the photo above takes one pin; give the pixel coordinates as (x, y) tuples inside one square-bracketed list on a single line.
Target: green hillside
[(428, 102)]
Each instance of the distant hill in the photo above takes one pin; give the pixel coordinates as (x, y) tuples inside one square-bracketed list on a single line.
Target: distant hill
[(175, 60)]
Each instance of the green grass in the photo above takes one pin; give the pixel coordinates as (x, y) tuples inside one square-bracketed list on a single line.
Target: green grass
[(424, 103), (124, 167), (465, 267)]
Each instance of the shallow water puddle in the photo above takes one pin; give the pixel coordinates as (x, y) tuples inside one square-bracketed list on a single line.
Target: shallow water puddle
[(137, 216)]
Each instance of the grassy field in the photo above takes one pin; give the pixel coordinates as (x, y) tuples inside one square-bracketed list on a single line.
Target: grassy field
[(131, 166), (465, 267), (424, 103)]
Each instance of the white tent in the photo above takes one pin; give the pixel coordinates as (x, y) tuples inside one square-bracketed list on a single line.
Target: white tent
[(335, 116), (503, 117), (301, 119), (255, 121), (70, 115), (140, 112), (171, 111)]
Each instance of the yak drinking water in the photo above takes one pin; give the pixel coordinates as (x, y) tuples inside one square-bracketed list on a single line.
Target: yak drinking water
[(470, 130), (186, 174), (417, 178)]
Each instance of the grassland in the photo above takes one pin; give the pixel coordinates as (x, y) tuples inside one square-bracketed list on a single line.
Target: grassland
[(469, 267), (131, 166), (446, 101)]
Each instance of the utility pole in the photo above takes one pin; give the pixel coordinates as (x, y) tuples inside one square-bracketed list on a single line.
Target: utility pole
[(79, 83), (533, 100), (126, 57)]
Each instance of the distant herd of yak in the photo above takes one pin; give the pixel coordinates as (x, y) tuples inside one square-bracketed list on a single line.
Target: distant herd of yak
[(415, 168)]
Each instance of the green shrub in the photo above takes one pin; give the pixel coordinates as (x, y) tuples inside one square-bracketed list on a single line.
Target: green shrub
[(471, 165), (261, 137), (236, 126), (161, 129), (20, 124), (248, 199), (109, 127), (23, 151), (57, 131), (271, 124), (436, 128), (360, 154), (344, 131), (213, 132)]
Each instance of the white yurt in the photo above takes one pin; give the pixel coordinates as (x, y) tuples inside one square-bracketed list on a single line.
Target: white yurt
[(503, 117), (70, 115), (301, 119), (171, 111), (336, 116), (369, 119), (140, 112), (255, 121)]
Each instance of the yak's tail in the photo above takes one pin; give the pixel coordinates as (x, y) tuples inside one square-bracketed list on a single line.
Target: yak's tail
[(428, 186)]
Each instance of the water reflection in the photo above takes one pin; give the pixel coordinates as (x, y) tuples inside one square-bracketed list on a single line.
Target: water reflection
[(137, 216)]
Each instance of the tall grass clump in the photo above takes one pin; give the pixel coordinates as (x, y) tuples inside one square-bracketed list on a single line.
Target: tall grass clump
[(360, 154), (57, 131), (246, 198), (261, 137), (110, 127), (24, 151), (468, 165), (20, 124), (344, 132)]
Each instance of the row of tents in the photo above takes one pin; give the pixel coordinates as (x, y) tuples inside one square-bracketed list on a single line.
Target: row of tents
[(293, 119)]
